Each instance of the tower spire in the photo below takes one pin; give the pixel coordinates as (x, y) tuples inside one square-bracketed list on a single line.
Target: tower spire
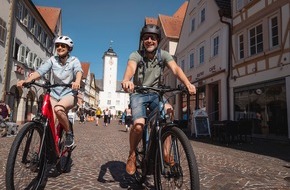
[(111, 43)]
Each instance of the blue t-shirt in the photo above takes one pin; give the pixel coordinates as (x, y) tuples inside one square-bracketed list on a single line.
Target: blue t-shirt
[(62, 74)]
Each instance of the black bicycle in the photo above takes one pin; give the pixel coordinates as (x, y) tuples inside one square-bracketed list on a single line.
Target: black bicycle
[(38, 143), (164, 139)]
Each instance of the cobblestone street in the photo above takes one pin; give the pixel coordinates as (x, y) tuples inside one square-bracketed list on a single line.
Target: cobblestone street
[(100, 156)]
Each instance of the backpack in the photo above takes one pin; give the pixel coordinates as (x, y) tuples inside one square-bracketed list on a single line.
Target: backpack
[(141, 65)]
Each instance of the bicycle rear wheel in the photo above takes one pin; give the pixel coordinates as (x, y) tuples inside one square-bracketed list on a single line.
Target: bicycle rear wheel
[(182, 171), (26, 163), (65, 153)]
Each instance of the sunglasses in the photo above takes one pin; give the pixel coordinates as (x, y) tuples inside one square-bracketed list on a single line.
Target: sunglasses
[(61, 45), (151, 36)]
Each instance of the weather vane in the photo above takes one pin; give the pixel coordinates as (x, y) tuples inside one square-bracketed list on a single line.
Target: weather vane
[(111, 42)]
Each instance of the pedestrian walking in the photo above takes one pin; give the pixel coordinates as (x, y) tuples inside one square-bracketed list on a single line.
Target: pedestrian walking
[(106, 117)]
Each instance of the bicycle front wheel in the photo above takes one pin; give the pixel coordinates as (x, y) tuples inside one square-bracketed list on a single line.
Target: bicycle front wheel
[(180, 169), (65, 153), (26, 165)]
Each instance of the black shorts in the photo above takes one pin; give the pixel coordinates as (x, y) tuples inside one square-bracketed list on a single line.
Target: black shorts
[(128, 120)]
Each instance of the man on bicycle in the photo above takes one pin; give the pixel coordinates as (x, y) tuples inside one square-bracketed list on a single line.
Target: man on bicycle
[(66, 69), (146, 67)]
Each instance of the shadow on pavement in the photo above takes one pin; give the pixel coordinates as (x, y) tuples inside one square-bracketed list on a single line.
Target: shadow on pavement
[(276, 149), (118, 172)]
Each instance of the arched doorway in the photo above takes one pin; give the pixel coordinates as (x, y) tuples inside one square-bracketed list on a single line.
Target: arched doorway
[(13, 102), (29, 106)]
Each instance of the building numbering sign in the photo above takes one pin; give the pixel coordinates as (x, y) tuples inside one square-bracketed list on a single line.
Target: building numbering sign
[(201, 123)]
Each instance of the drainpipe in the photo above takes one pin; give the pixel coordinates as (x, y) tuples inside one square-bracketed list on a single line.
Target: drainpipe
[(8, 43), (221, 14)]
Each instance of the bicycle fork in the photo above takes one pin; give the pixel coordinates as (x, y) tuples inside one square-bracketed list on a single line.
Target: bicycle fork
[(173, 148)]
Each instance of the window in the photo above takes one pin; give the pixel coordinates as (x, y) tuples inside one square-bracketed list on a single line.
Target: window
[(202, 15), (2, 30), (256, 40), (182, 64), (21, 55), (31, 24), (38, 32), (24, 18), (201, 55), (108, 102), (215, 46), (240, 4), (37, 62), (192, 25), (191, 60), (274, 34), (241, 47), (19, 11), (30, 59)]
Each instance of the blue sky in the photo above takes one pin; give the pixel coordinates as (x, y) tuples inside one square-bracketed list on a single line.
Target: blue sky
[(92, 24)]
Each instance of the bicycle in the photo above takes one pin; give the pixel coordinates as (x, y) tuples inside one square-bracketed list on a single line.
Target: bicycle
[(182, 171), (37, 144)]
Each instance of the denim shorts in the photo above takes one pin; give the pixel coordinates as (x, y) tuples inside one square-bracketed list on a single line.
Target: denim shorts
[(139, 103)]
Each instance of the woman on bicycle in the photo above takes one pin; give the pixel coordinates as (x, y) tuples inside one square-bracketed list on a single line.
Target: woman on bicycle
[(67, 69), (146, 66)]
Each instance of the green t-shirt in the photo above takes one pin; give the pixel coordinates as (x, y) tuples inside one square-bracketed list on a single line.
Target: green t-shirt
[(152, 70)]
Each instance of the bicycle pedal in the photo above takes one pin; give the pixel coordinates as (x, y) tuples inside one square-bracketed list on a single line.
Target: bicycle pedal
[(73, 147)]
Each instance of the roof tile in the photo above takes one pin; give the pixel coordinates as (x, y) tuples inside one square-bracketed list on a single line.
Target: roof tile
[(51, 15)]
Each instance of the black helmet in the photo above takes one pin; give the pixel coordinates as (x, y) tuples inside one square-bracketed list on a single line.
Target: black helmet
[(151, 28)]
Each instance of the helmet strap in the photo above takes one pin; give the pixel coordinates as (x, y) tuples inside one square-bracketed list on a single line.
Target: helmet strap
[(63, 58)]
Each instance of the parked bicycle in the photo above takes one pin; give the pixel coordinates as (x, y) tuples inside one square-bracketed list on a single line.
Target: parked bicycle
[(181, 172), (37, 144)]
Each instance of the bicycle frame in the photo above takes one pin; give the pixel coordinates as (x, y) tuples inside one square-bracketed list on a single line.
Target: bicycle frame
[(46, 118), (47, 112), (158, 115)]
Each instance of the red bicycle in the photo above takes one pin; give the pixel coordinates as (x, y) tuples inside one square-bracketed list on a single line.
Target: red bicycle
[(38, 143)]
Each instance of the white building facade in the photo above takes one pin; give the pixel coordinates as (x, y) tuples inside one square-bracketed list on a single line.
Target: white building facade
[(202, 53), (26, 42)]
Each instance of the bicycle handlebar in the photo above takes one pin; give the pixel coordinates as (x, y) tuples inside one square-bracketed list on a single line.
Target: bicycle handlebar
[(45, 85), (161, 89)]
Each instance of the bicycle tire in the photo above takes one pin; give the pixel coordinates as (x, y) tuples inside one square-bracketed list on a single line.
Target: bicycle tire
[(140, 175), (183, 172), (65, 153), (26, 163)]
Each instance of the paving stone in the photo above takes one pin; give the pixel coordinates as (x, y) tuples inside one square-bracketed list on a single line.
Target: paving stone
[(98, 162)]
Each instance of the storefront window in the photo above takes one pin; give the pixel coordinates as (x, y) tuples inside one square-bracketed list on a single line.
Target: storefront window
[(265, 105)]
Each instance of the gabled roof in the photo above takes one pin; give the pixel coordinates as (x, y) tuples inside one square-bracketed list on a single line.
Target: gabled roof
[(85, 67), (225, 7), (150, 20), (93, 80), (172, 24), (180, 13), (51, 16)]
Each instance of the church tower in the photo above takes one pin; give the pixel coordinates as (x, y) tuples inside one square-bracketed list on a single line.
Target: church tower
[(111, 97), (110, 61)]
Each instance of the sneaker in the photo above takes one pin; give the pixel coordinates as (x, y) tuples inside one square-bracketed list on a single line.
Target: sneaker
[(131, 165), (69, 140)]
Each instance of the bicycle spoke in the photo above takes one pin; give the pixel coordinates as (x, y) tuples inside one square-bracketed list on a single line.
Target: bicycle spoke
[(180, 170)]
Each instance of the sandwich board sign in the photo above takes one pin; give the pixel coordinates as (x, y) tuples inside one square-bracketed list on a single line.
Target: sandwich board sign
[(201, 123)]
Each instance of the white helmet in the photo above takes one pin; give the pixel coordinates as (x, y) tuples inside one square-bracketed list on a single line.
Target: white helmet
[(64, 40)]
